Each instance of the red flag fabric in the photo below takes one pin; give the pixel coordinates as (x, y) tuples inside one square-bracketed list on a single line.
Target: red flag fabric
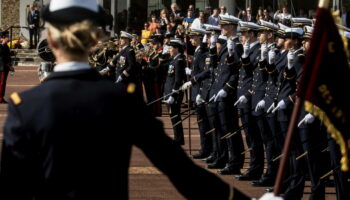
[(326, 81)]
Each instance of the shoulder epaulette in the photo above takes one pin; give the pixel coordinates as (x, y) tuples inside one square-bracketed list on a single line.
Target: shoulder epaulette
[(16, 99), (300, 54), (131, 88)]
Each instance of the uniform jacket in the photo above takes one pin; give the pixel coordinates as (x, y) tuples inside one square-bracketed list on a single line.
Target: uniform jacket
[(245, 78), (274, 70), (197, 67), (71, 138), (287, 85), (175, 76), (126, 64), (225, 72)]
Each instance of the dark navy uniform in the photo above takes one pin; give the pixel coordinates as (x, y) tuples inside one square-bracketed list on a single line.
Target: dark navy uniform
[(174, 80), (198, 66), (258, 89), (254, 140), (125, 65), (224, 118), (271, 97), (79, 147)]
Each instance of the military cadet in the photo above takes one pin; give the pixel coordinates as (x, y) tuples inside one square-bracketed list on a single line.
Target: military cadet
[(124, 63), (250, 60), (79, 147), (286, 88), (174, 80), (206, 80), (277, 60), (226, 63), (200, 54), (259, 85)]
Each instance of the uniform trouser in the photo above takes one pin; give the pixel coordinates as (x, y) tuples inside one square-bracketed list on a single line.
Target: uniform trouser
[(175, 115), (220, 149), (340, 178), (228, 119), (276, 134), (152, 90), (269, 144), (313, 142), (254, 141), (3, 80), (211, 133), (204, 127)]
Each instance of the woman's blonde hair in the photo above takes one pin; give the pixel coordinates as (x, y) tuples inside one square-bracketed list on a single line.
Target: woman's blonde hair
[(76, 39)]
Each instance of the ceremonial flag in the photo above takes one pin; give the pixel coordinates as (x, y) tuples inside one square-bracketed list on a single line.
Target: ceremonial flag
[(326, 81)]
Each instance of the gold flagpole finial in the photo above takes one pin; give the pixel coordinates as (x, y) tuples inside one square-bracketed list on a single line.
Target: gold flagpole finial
[(323, 4)]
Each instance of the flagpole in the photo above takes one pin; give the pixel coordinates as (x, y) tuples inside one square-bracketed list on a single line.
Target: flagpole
[(291, 129), (287, 147)]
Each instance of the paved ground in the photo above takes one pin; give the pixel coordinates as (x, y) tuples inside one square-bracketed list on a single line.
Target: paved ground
[(146, 182)]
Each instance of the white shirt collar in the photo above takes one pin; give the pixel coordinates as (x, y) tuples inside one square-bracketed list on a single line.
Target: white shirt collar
[(71, 66)]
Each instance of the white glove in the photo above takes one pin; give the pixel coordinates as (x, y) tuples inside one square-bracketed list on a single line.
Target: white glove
[(104, 71), (120, 78), (308, 119), (264, 51), (213, 40), (230, 46), (272, 57), (270, 109), (241, 99), (188, 71), (280, 106), (205, 39), (221, 94), (199, 100), (246, 50), (186, 85), (290, 58), (170, 100), (270, 196), (260, 105)]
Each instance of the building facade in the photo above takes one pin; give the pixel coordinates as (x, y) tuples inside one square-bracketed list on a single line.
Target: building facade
[(133, 13)]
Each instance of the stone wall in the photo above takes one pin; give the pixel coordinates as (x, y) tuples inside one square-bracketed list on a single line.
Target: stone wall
[(10, 15)]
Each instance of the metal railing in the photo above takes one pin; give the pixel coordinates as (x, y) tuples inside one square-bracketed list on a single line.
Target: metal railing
[(10, 29)]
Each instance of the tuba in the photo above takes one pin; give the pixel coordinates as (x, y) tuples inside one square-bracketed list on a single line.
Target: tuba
[(47, 65)]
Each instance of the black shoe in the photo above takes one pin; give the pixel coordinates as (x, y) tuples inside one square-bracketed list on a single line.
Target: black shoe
[(215, 166), (264, 182), (4, 101), (199, 156), (209, 159), (248, 177), (229, 171)]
